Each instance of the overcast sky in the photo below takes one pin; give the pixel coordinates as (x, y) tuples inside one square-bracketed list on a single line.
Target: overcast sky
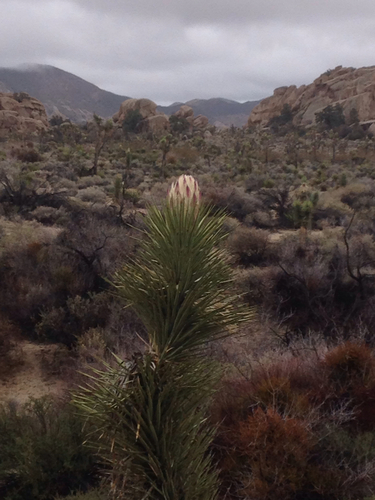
[(177, 50)]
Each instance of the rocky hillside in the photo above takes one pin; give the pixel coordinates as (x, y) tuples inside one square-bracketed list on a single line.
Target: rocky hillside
[(220, 112), (61, 92), (349, 87)]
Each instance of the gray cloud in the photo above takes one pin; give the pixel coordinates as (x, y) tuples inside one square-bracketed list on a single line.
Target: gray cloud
[(171, 50)]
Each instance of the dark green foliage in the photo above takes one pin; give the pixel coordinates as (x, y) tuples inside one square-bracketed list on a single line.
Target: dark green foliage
[(42, 453), (286, 116), (179, 124), (353, 117), (178, 288), (132, 120), (152, 431), (331, 117)]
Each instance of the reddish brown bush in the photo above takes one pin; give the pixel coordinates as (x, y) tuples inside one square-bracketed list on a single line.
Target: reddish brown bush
[(277, 451), (350, 365)]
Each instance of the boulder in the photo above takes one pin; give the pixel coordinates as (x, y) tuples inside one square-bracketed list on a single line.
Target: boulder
[(372, 129), (158, 124), (184, 111), (21, 114), (146, 107), (200, 121), (187, 112), (349, 87)]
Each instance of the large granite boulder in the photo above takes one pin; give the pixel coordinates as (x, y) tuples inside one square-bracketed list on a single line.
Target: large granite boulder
[(154, 122), (146, 108)]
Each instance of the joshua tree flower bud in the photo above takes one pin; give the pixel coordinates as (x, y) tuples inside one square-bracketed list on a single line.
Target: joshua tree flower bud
[(185, 188)]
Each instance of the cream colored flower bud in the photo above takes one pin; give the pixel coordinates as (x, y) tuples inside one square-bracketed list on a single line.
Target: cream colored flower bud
[(185, 188)]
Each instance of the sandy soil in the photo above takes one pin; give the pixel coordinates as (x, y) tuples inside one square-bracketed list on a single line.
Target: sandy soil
[(29, 379)]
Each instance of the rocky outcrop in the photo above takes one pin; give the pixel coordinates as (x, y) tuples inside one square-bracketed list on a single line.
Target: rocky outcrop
[(154, 122), (349, 87), (146, 107), (21, 114), (158, 124), (200, 121), (187, 113)]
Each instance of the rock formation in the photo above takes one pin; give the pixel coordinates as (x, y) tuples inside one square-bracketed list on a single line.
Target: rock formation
[(146, 108), (158, 124), (154, 122), (187, 112), (349, 87), (21, 114), (200, 121)]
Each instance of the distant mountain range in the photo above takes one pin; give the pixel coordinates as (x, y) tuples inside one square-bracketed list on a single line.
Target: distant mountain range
[(64, 93), (220, 112)]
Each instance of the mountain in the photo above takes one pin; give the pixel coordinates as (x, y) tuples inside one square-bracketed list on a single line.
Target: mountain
[(77, 99), (61, 92), (220, 112), (351, 88)]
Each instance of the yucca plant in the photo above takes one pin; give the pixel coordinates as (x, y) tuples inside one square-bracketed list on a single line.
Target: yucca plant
[(150, 413)]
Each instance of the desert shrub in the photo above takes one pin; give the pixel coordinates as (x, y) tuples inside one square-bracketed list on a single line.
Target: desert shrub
[(357, 196), (92, 194), (313, 288), (248, 245), (10, 353), (256, 282), (25, 277), (66, 323), (237, 203), (91, 345), (23, 189), (186, 154), (45, 273), (27, 155), (42, 452), (277, 449), (95, 247), (261, 219), (90, 181), (287, 431), (350, 364), (50, 215)]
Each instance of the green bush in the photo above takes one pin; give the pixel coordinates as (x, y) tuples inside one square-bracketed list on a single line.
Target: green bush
[(42, 453)]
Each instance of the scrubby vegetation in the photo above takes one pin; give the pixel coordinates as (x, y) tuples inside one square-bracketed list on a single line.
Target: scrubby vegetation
[(295, 407)]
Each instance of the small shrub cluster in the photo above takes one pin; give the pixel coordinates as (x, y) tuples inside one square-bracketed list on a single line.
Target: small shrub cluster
[(299, 428), (42, 452)]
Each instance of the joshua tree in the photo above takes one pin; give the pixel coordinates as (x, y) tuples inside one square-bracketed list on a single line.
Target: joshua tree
[(150, 413), (165, 146), (104, 132)]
